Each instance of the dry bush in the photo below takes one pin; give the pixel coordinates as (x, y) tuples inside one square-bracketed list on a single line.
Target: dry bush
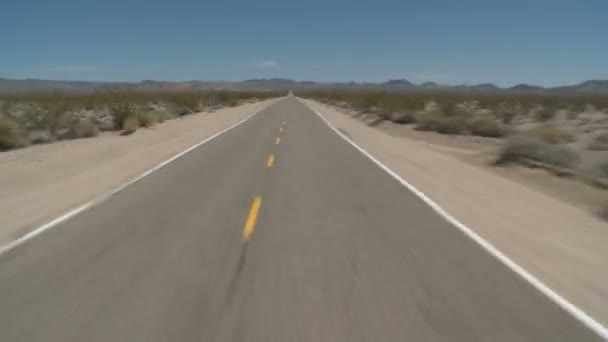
[(602, 169), (82, 128), (55, 116), (449, 108), (11, 136), (603, 213), (148, 119), (544, 114), (486, 127), (117, 99), (506, 114), (551, 134), (52, 111), (602, 172), (402, 117), (437, 121), (130, 125), (599, 143), (571, 114), (511, 103), (428, 121), (121, 113), (186, 103), (224, 98), (519, 148)]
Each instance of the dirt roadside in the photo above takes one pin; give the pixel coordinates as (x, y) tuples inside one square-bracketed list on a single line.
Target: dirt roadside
[(565, 246), (40, 182), (483, 152)]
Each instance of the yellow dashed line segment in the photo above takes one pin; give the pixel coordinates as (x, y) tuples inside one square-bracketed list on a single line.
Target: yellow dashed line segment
[(252, 218)]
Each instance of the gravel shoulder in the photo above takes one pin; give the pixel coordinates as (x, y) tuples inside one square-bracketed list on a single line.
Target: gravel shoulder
[(40, 182), (564, 245)]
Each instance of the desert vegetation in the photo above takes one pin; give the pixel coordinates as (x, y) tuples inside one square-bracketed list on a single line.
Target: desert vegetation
[(45, 117), (566, 133)]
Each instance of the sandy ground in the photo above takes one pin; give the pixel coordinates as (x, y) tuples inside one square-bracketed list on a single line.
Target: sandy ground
[(482, 152), (40, 182), (564, 245)]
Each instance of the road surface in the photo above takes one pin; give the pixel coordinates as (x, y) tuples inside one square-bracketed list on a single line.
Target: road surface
[(277, 230)]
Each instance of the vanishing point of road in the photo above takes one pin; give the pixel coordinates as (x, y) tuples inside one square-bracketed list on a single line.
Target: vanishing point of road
[(277, 230)]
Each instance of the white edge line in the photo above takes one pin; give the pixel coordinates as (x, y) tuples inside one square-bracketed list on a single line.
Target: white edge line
[(572, 309), (104, 196)]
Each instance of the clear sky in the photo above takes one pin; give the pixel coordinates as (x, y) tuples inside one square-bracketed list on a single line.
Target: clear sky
[(545, 42)]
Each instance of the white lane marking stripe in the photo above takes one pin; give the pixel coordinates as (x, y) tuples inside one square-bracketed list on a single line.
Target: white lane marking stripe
[(572, 309), (104, 196)]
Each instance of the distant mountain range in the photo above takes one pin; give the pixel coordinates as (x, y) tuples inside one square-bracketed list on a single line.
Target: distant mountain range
[(12, 86)]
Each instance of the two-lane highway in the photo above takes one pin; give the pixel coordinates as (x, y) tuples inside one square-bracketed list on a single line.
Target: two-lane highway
[(277, 230)]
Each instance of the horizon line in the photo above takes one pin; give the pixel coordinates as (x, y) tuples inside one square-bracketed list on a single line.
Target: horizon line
[(304, 81)]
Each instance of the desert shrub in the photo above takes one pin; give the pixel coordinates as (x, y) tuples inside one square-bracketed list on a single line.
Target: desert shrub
[(428, 121), (572, 114), (486, 127), (11, 136), (163, 116), (506, 114), (38, 137), (366, 102), (231, 102), (449, 108), (50, 110), (121, 113), (148, 119), (438, 122), (82, 128), (544, 114), (599, 143), (452, 125), (186, 103), (403, 117), (224, 98), (55, 116), (131, 122), (603, 213), (551, 134), (130, 125), (520, 104), (521, 147), (88, 106), (577, 106), (602, 169)]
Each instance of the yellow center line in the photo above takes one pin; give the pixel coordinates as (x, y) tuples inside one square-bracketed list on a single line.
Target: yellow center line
[(270, 160), (277, 140), (252, 218), (281, 129)]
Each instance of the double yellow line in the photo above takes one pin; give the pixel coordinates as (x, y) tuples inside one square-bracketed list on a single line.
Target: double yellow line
[(254, 210)]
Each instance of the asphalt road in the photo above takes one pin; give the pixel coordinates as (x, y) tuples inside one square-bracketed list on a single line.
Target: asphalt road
[(223, 244)]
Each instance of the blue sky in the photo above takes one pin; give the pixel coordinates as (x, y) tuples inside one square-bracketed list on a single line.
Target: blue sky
[(546, 42)]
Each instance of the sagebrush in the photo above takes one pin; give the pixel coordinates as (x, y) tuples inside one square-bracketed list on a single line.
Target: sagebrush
[(60, 114)]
